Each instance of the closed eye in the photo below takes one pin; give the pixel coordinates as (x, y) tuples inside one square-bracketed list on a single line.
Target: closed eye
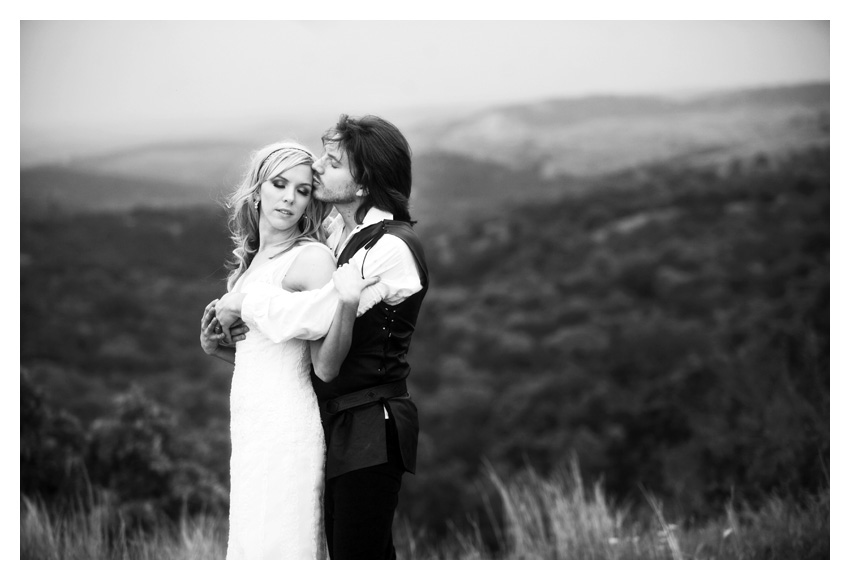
[(328, 158)]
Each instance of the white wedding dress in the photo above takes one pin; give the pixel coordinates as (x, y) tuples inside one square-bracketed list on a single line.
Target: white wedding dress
[(277, 461)]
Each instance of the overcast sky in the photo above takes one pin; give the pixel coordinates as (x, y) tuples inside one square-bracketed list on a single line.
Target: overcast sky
[(137, 77)]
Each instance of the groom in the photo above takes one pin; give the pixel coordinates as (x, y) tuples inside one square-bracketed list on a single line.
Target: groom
[(371, 423)]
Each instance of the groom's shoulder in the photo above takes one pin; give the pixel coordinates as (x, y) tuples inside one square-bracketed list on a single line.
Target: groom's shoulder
[(405, 240), (404, 231)]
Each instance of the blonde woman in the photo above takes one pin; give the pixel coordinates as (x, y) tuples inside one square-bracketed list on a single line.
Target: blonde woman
[(277, 459)]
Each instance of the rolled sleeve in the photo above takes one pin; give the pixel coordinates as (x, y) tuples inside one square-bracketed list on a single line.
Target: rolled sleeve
[(282, 315), (392, 260)]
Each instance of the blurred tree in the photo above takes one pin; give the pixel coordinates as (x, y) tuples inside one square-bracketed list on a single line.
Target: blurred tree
[(52, 448), (137, 453)]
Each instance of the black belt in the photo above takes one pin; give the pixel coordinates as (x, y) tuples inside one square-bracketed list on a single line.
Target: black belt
[(366, 396)]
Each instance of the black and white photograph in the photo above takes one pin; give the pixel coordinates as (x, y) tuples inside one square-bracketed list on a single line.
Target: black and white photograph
[(382, 288)]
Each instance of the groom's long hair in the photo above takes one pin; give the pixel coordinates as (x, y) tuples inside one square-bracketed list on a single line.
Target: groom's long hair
[(244, 219), (380, 160)]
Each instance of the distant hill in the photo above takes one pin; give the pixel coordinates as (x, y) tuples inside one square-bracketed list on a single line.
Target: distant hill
[(449, 187), (70, 190), (597, 135), (192, 163), (471, 163)]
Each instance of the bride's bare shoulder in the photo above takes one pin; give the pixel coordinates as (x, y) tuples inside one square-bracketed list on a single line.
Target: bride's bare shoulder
[(312, 268)]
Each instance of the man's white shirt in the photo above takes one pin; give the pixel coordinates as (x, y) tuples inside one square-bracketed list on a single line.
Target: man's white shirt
[(389, 258)]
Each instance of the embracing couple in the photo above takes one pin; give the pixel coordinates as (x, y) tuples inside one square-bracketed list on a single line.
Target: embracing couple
[(317, 321)]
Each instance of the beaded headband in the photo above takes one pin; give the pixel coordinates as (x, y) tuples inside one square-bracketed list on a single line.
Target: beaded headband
[(283, 147)]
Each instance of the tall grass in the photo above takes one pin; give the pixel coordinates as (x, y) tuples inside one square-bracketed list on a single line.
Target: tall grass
[(558, 517), (100, 533), (553, 517)]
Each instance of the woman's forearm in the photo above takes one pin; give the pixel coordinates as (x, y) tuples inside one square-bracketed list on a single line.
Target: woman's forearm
[(329, 353)]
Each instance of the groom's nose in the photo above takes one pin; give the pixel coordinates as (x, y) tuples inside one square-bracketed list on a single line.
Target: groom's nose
[(317, 166)]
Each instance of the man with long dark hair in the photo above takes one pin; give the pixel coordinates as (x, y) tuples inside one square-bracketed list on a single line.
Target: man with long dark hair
[(371, 423)]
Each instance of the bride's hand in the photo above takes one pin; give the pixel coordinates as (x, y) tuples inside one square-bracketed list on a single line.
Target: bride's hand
[(350, 284)]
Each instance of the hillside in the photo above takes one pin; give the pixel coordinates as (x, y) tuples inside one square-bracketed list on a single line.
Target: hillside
[(669, 325)]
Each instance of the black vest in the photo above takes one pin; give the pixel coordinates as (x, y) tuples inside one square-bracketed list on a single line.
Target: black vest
[(355, 438)]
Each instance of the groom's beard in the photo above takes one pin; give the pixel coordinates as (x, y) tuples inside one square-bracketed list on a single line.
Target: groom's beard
[(336, 195)]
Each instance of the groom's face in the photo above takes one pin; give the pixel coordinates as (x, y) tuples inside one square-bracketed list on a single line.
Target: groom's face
[(333, 182)]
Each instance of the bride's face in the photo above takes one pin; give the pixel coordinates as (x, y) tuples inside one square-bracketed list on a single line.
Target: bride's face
[(285, 197)]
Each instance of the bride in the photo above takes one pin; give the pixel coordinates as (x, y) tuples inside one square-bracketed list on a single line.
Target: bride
[(278, 448)]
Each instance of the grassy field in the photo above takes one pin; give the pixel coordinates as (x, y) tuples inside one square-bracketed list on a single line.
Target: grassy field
[(552, 518)]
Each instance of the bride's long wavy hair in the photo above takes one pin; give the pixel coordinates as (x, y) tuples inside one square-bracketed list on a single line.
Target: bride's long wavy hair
[(244, 219)]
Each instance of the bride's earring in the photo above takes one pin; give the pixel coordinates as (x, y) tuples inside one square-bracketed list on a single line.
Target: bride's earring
[(257, 203)]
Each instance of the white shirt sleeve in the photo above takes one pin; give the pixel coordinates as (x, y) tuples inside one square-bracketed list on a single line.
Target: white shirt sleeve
[(282, 315), (392, 260)]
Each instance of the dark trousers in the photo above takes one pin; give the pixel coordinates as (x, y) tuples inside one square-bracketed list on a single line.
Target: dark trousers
[(360, 505)]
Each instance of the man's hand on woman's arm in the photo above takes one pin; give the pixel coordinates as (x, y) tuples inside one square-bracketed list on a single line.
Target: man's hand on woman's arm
[(214, 340), (228, 311)]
